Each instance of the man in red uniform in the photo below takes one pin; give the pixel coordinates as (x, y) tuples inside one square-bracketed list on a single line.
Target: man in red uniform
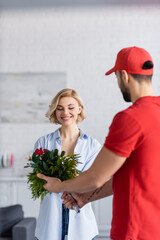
[(131, 154)]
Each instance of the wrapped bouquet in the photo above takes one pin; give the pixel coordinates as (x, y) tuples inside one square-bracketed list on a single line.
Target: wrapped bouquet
[(51, 164)]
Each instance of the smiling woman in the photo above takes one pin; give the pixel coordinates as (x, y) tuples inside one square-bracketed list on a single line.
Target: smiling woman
[(58, 222)]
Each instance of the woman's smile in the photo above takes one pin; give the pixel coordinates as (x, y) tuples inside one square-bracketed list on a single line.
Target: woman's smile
[(66, 118)]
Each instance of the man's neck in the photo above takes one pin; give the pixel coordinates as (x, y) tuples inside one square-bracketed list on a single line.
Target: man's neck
[(141, 90)]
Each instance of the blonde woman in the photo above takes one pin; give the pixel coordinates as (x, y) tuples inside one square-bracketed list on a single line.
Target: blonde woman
[(55, 221)]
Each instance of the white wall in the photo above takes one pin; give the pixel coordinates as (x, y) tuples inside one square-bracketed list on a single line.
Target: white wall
[(81, 41)]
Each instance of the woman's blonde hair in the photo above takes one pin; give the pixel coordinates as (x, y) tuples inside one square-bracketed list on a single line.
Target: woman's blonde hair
[(51, 114)]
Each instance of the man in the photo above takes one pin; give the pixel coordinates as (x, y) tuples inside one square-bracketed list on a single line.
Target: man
[(131, 154)]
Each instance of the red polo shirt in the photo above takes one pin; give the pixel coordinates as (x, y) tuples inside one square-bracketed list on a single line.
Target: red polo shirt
[(135, 134)]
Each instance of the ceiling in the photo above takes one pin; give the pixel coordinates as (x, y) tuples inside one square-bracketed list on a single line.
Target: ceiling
[(14, 4)]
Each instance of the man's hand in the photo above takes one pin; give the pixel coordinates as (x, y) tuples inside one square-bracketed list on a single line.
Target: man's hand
[(69, 201), (52, 185)]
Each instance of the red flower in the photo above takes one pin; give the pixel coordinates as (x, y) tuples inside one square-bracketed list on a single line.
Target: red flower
[(39, 151)]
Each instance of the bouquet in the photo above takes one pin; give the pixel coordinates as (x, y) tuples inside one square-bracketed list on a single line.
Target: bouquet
[(51, 164)]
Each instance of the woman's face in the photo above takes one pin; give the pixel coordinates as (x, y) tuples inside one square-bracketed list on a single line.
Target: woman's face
[(67, 111)]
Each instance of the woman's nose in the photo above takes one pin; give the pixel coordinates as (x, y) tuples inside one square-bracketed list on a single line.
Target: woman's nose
[(65, 111)]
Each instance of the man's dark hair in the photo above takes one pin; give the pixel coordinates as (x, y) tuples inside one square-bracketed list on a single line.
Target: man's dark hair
[(141, 78)]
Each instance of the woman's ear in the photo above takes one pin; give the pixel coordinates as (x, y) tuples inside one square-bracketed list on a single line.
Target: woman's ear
[(80, 109)]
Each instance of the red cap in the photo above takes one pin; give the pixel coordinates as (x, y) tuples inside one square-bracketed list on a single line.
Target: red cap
[(131, 60)]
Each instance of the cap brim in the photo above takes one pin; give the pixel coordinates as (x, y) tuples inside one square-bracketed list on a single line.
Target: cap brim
[(110, 71)]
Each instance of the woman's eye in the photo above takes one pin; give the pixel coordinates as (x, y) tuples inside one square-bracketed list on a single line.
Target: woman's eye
[(61, 109)]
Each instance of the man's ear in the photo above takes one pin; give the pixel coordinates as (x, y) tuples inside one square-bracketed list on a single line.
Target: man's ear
[(125, 76)]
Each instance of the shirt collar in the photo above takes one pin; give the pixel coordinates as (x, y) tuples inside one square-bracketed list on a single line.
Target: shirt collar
[(83, 135), (57, 134)]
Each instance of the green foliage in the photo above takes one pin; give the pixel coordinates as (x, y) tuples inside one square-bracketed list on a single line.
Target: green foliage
[(50, 164)]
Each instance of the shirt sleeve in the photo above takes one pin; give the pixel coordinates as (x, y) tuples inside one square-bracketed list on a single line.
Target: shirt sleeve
[(124, 136)]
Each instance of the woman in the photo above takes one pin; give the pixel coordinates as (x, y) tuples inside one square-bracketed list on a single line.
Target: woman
[(55, 221)]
